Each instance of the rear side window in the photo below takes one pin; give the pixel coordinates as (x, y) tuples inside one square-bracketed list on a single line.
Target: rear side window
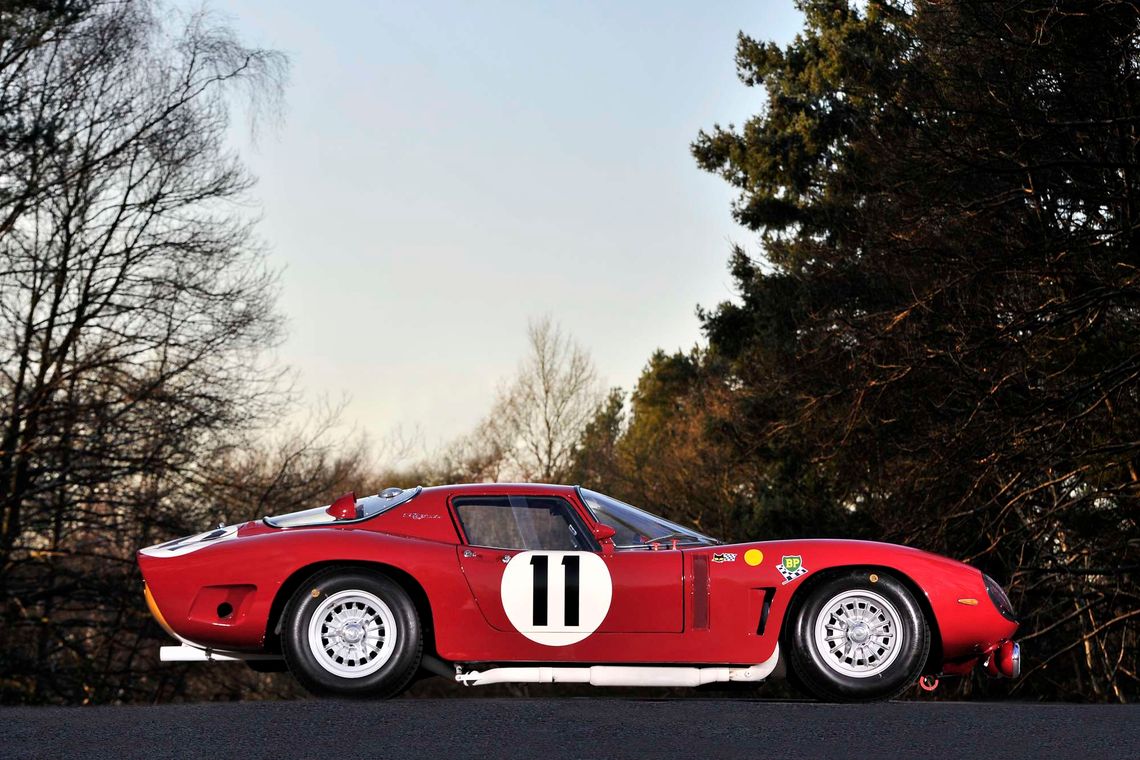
[(522, 522)]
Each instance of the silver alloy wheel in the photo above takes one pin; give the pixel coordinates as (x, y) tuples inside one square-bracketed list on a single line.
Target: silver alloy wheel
[(857, 633), (352, 633)]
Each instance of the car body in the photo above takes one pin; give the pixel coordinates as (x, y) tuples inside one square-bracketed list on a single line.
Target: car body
[(524, 582)]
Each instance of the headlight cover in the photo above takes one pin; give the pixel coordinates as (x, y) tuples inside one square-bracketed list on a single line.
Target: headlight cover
[(999, 598)]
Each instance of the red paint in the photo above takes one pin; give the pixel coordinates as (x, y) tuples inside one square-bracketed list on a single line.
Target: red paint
[(343, 508), (1005, 659), (653, 618)]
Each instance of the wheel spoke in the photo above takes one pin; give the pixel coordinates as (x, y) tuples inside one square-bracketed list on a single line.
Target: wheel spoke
[(352, 633), (857, 630)]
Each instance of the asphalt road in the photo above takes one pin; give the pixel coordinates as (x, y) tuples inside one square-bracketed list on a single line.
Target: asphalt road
[(548, 729)]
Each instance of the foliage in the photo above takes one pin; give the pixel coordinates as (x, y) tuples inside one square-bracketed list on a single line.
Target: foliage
[(677, 456), (946, 322)]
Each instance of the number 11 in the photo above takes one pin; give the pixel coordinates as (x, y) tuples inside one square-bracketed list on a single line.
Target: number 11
[(541, 565)]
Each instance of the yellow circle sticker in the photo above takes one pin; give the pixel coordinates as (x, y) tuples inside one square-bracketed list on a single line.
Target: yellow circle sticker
[(754, 557)]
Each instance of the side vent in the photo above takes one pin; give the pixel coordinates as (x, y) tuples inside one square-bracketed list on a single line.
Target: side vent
[(761, 605), (701, 592)]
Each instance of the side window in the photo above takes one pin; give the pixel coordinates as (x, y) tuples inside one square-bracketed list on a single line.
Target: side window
[(521, 522)]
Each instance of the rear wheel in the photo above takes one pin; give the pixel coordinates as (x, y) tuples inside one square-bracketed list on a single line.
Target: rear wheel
[(858, 637), (352, 633)]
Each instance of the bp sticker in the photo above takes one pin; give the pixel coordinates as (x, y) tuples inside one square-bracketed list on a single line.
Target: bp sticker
[(556, 598)]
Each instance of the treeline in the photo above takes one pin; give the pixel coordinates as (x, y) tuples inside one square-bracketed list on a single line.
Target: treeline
[(936, 342), (940, 341)]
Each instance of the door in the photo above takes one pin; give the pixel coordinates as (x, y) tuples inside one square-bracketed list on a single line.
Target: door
[(533, 567), (648, 592)]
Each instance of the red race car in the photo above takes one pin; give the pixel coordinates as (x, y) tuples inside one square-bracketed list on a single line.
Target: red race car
[(496, 583)]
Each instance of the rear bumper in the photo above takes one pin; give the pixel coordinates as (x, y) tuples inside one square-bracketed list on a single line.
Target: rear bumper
[(188, 651), (196, 602)]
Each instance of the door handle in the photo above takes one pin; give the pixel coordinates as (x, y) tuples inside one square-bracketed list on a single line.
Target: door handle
[(471, 554)]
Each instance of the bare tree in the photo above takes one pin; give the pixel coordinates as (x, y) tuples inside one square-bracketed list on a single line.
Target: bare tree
[(539, 416), (134, 310)]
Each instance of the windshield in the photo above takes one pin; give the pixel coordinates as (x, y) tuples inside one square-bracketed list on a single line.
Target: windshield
[(636, 528)]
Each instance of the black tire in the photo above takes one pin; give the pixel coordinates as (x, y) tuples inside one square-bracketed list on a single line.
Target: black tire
[(320, 594), (827, 675)]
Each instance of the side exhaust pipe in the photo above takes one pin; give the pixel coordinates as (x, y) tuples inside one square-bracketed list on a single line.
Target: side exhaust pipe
[(188, 653), (622, 675)]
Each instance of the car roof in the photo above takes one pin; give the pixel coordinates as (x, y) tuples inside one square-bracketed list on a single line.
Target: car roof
[(545, 489)]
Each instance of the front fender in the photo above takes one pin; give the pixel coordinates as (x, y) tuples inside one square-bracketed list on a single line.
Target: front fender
[(953, 594)]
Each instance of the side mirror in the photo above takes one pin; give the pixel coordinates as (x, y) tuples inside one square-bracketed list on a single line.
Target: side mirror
[(602, 532)]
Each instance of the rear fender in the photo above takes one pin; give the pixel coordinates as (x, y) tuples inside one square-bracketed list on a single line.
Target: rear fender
[(301, 575), (267, 567)]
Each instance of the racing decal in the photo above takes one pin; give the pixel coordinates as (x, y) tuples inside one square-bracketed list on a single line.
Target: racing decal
[(556, 598), (724, 557), (791, 567), (180, 546), (753, 557)]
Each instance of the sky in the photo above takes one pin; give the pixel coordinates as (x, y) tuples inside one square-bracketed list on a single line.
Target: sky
[(445, 171)]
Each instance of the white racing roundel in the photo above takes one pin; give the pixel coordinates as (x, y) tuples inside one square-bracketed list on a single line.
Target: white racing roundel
[(556, 598)]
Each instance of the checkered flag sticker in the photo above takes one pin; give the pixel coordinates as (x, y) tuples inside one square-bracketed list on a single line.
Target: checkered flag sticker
[(791, 567)]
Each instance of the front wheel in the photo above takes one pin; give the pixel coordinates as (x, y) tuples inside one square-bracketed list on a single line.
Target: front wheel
[(858, 637), (352, 633)]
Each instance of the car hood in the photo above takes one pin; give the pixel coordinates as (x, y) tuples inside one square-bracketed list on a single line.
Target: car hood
[(828, 551)]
